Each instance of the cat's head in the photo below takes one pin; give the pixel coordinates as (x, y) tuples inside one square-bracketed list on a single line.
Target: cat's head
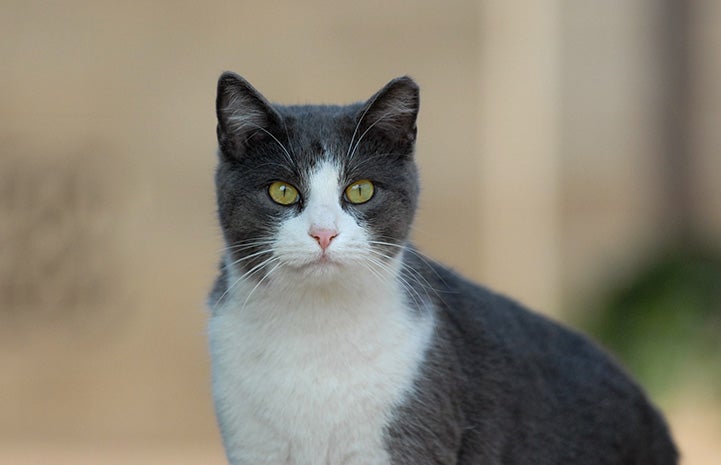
[(316, 192)]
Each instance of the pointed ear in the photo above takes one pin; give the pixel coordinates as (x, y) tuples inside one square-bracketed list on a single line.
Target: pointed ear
[(242, 113), (393, 110)]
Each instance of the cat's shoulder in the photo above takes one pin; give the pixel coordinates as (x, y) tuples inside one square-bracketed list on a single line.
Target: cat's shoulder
[(476, 315)]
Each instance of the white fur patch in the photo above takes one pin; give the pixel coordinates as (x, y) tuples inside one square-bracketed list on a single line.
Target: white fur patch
[(308, 366)]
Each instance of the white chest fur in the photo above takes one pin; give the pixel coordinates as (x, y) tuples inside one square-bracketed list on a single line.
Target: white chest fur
[(311, 378)]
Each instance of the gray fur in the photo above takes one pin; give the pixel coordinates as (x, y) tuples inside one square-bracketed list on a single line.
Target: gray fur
[(499, 384), (503, 385)]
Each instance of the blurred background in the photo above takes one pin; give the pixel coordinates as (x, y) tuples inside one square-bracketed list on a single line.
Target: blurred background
[(570, 153)]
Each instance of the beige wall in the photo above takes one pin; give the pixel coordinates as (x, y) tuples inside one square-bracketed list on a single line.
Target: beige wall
[(538, 151)]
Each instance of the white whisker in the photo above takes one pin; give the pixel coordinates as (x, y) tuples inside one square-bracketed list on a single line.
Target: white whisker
[(248, 257), (410, 289), (426, 261), (287, 154), (245, 275), (236, 247), (287, 136), (357, 126), (259, 283), (352, 154), (412, 274)]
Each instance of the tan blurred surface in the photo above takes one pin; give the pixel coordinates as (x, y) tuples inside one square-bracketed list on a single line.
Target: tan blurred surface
[(107, 225), (68, 453)]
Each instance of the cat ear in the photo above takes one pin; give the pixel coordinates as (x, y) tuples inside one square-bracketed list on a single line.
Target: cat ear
[(242, 113), (393, 110)]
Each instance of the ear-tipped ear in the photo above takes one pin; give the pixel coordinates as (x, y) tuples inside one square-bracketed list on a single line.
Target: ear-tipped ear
[(393, 110), (242, 112)]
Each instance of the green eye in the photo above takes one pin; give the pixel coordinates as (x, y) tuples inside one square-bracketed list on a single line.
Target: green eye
[(283, 193), (359, 191)]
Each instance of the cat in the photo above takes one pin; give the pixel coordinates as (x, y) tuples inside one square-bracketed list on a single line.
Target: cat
[(335, 342)]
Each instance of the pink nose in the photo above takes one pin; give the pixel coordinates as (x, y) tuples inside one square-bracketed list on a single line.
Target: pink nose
[(323, 236)]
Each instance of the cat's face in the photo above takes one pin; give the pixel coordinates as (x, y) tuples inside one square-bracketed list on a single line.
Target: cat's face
[(315, 192)]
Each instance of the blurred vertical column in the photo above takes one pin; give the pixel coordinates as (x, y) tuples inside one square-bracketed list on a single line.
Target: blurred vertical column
[(519, 148), (705, 117), (691, 39), (614, 94)]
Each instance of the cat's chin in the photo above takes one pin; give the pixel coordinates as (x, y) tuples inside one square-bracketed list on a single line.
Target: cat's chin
[(325, 271), (322, 269)]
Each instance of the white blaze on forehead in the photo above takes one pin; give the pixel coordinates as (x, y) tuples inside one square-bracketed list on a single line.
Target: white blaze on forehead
[(323, 209)]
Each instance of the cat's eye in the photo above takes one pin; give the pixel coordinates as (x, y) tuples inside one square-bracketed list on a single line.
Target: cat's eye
[(359, 191), (283, 193)]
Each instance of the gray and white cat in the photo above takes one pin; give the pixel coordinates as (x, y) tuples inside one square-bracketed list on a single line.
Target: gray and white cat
[(334, 342)]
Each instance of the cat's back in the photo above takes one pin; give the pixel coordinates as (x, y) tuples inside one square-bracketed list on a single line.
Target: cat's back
[(532, 390)]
